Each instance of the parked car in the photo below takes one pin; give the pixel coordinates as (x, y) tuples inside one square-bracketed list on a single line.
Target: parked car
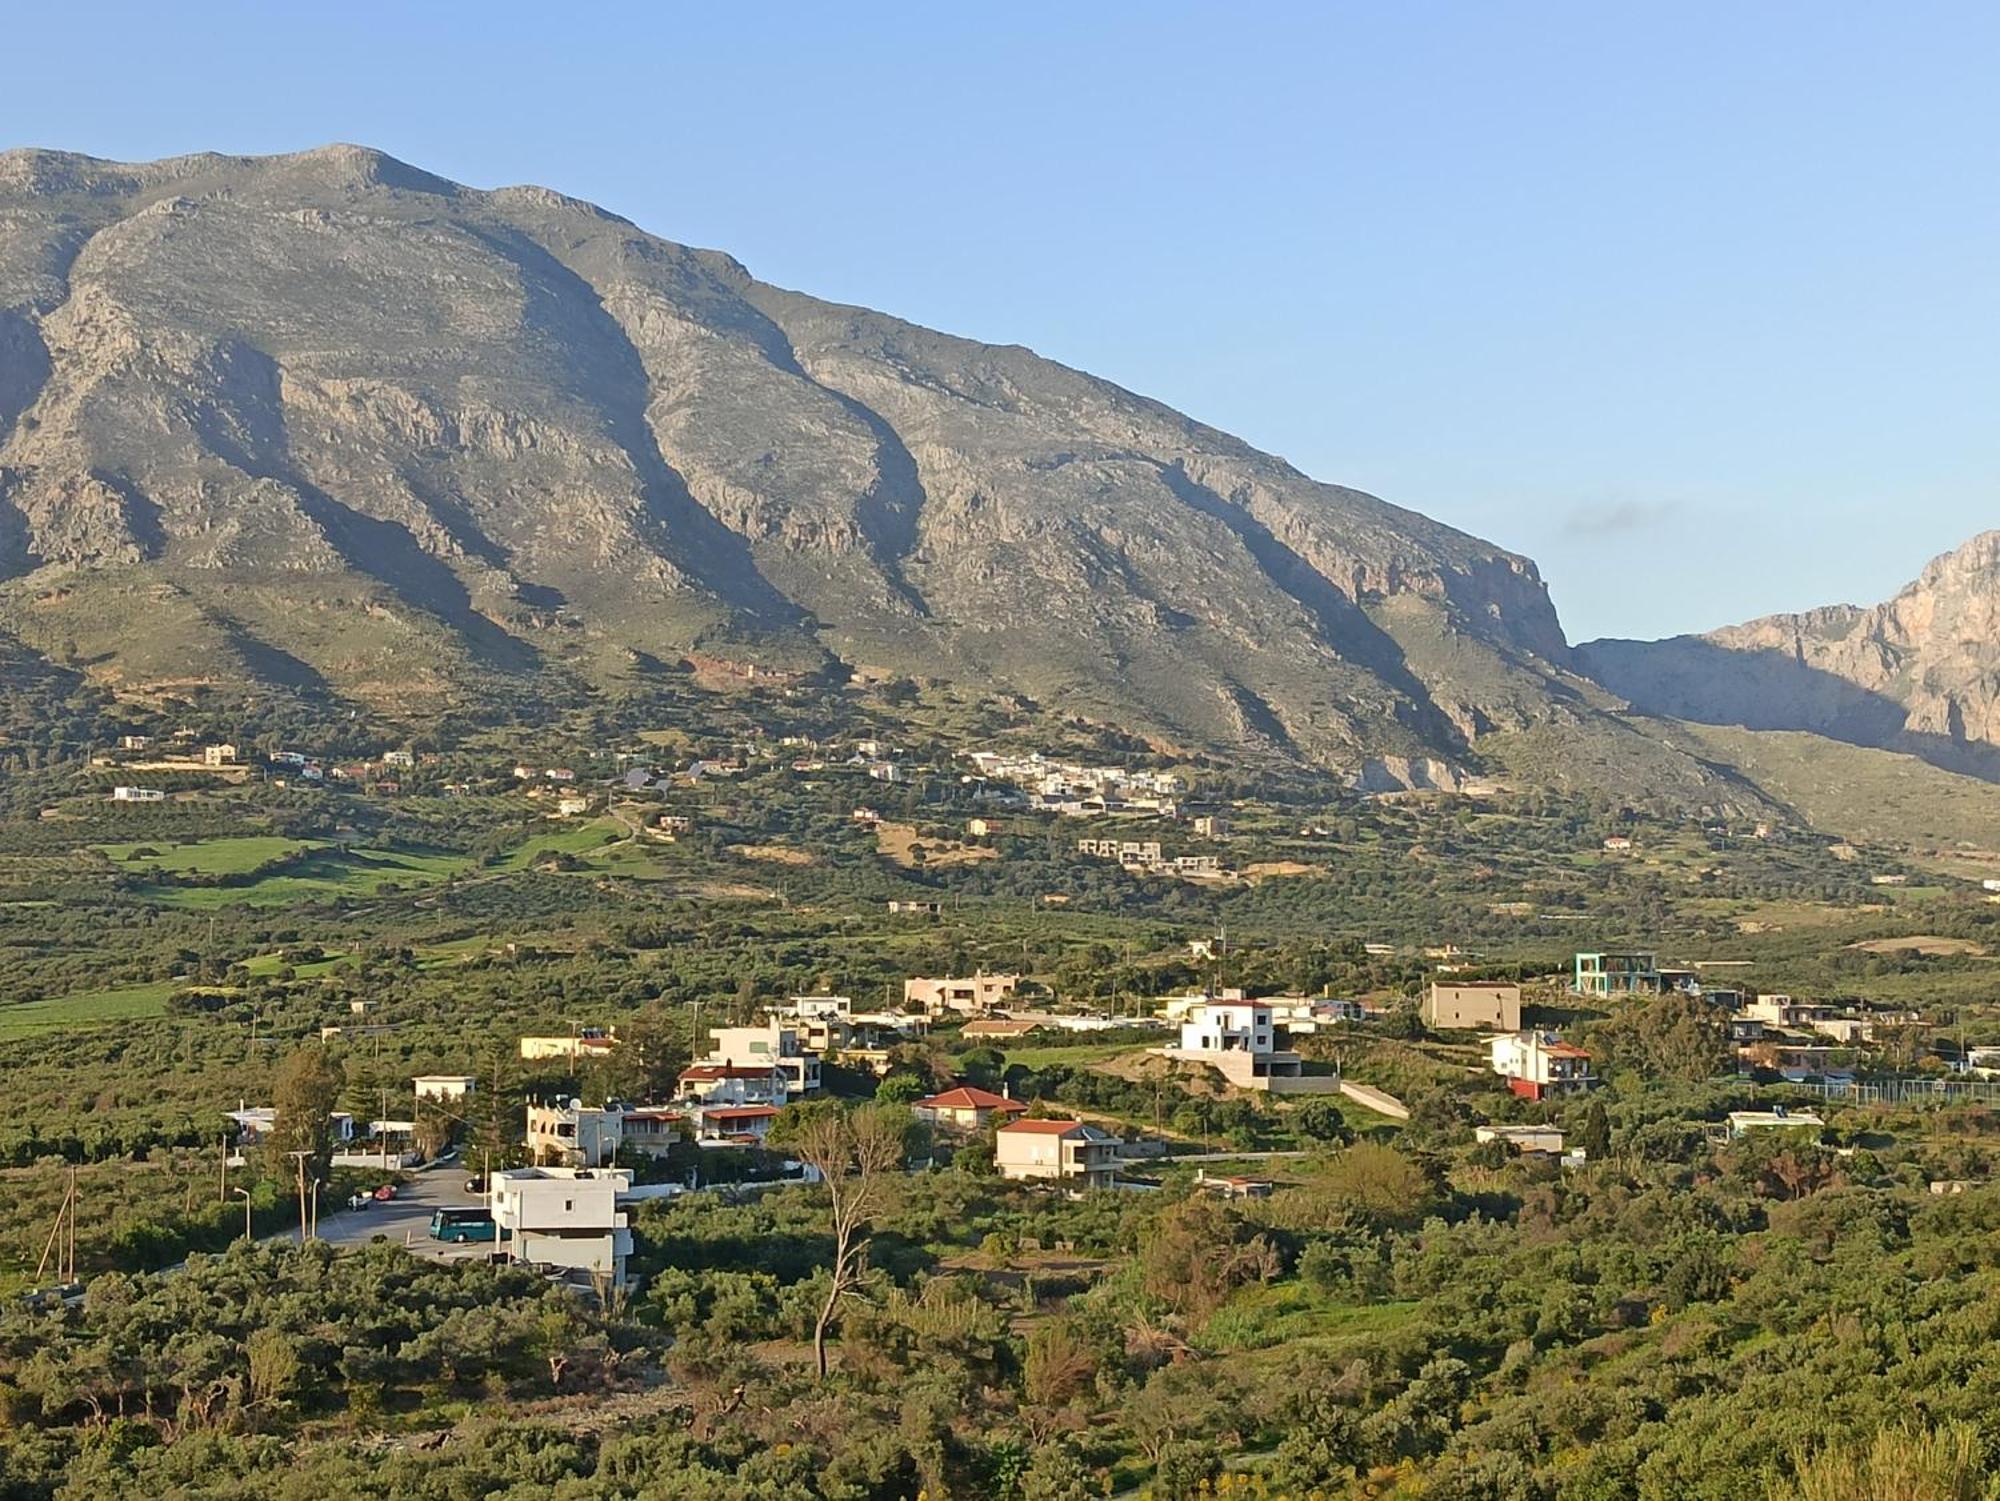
[(386, 1192)]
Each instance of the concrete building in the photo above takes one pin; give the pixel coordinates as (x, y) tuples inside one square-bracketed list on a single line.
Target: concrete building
[(655, 1130), (973, 996), (1473, 1007), (586, 1042), (564, 1217), (1609, 974), (1743, 1122), (1541, 1139), (218, 755), (1539, 1064), (570, 1134), (1060, 1151), (137, 795), (447, 1088)]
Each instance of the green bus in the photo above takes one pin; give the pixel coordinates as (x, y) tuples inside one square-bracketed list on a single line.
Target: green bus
[(460, 1225)]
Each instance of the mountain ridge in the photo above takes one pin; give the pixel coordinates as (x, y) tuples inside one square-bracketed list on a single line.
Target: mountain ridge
[(1919, 672), (330, 421)]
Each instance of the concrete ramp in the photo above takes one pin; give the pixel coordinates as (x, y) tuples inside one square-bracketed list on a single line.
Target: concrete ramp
[(1375, 1099)]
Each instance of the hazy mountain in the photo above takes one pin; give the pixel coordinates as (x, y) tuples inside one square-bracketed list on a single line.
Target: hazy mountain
[(1920, 673), (328, 420)]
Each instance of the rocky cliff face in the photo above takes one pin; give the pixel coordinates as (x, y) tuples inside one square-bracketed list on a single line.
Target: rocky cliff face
[(330, 418), (1920, 673)]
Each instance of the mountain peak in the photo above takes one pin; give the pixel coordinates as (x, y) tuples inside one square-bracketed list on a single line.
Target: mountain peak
[(394, 452)]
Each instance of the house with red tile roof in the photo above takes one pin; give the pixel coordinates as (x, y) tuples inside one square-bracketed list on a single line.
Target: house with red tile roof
[(966, 1108), (1539, 1064)]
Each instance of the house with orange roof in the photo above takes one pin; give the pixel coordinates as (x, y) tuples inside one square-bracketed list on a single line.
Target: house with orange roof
[(1539, 1064), (966, 1109)]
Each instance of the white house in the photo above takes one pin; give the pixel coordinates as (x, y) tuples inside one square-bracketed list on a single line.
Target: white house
[(137, 795), (1545, 1139), (1239, 1039), (771, 1045), (1538, 1064), (1064, 1151), (443, 1087), (733, 1125), (564, 1217), (733, 1084)]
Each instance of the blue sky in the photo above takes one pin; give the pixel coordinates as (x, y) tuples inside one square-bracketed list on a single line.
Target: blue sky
[(1693, 303)]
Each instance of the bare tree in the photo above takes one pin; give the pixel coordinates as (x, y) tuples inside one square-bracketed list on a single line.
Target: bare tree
[(856, 1153)]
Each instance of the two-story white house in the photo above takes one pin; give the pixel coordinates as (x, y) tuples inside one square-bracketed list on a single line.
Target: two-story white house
[(1239, 1039), (772, 1045), (1539, 1064), (564, 1217), (730, 1084)]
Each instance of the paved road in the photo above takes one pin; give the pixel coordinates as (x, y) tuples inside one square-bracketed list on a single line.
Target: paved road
[(407, 1217)]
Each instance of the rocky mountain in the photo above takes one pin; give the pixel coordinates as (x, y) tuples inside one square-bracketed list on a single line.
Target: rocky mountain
[(1919, 674), (328, 420)]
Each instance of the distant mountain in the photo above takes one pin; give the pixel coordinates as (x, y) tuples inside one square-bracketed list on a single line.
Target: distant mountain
[(1919, 674), (329, 420)]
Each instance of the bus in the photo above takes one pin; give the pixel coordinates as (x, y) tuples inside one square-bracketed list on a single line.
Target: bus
[(460, 1225)]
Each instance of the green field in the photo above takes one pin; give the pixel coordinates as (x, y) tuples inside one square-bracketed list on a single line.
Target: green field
[(90, 1009), (570, 839), (331, 873), (214, 857)]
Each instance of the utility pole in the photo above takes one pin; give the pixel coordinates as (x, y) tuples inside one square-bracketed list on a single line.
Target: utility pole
[(299, 1157), (62, 1236), (222, 1156), (315, 1209)]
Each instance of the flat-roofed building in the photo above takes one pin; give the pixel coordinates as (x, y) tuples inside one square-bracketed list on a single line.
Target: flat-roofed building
[(564, 1217), (1473, 1007)]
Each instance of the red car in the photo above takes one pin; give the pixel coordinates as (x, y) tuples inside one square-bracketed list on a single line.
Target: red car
[(386, 1191)]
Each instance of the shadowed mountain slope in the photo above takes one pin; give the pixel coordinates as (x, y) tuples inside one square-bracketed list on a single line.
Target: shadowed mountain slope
[(1919, 674)]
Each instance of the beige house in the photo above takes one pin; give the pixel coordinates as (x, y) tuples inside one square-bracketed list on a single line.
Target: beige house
[(970, 997), (1061, 1151), (572, 1135), (966, 1109), (1473, 1008)]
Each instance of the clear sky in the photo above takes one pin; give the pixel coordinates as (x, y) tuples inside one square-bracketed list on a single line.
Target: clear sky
[(1693, 303)]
